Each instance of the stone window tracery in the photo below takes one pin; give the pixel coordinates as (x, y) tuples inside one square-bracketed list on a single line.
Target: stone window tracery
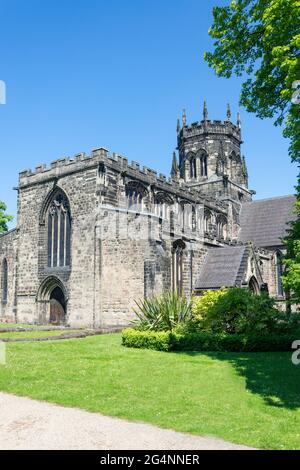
[(59, 232), (208, 220), (222, 227), (203, 164), (162, 205), (135, 195), (177, 265), (193, 168)]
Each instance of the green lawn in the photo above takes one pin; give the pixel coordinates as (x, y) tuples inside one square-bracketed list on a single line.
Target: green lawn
[(248, 398)]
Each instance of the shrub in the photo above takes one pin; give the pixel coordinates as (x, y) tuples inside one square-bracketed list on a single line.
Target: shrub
[(163, 313), (201, 306), (235, 310), (227, 342), (161, 341), (204, 341)]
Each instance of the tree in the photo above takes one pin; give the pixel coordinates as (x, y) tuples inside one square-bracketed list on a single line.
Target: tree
[(4, 218), (261, 39), (291, 276)]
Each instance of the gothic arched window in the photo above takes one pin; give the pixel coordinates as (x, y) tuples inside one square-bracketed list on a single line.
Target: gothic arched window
[(203, 164), (163, 203), (193, 168), (135, 194), (177, 265), (4, 281), (207, 221), (222, 227), (59, 232)]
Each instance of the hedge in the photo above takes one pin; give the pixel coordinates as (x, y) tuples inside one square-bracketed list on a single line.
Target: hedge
[(170, 341)]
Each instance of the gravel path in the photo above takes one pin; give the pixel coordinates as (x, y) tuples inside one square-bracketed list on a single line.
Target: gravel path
[(31, 424)]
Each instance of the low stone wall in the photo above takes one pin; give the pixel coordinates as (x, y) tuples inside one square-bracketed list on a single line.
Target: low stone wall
[(66, 335)]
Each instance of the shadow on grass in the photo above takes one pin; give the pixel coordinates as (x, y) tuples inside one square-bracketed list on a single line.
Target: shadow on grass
[(273, 376)]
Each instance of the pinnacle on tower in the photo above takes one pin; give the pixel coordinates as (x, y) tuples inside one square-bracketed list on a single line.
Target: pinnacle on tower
[(228, 112), (244, 167), (175, 168), (205, 112), (178, 126), (245, 171), (238, 122), (184, 117)]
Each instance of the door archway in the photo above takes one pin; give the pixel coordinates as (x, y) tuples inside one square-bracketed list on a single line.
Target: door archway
[(57, 307), (52, 301), (253, 285)]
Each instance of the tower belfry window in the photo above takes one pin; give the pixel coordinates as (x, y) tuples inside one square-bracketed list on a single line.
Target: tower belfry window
[(193, 168), (203, 165)]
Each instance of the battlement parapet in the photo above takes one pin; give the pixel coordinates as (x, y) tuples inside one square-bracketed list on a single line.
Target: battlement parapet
[(63, 167), (80, 162), (210, 127)]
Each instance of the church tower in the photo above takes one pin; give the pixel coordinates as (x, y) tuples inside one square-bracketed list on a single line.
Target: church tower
[(210, 157)]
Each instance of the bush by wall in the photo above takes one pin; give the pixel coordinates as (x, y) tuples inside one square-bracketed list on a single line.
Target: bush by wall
[(159, 340), (235, 310), (202, 341)]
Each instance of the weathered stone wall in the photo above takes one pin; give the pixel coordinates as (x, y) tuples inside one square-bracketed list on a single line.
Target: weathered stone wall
[(8, 254), (226, 171), (118, 253)]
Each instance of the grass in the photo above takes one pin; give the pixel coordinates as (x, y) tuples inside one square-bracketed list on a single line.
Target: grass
[(246, 398)]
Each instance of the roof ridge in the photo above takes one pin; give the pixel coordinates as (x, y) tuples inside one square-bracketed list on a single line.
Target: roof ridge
[(271, 198)]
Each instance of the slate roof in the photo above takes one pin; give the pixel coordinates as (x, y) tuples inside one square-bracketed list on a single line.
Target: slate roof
[(8, 233), (264, 222), (223, 267)]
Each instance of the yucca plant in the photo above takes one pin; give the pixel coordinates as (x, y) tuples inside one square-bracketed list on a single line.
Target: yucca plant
[(162, 313)]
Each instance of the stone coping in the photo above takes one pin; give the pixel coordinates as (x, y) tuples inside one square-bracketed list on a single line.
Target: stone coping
[(66, 335)]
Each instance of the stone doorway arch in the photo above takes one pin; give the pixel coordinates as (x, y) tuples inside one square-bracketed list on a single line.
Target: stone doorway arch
[(253, 285), (52, 302), (57, 307)]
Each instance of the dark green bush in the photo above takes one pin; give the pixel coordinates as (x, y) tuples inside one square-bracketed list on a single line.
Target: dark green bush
[(204, 341), (232, 342), (159, 340)]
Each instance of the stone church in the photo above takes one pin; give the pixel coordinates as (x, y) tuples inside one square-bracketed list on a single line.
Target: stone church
[(95, 233)]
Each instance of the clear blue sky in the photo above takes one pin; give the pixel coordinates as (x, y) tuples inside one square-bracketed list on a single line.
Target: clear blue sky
[(84, 74)]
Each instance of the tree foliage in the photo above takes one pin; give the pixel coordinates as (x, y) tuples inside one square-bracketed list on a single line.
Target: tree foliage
[(261, 39), (291, 277), (235, 310), (4, 218)]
